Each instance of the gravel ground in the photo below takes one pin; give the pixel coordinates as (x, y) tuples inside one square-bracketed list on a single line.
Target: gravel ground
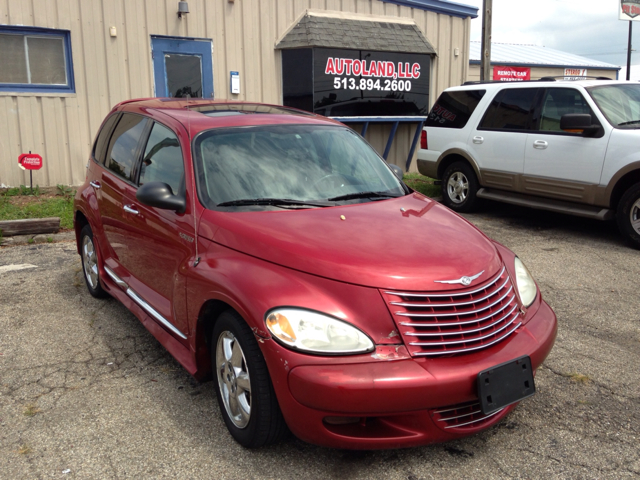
[(87, 392)]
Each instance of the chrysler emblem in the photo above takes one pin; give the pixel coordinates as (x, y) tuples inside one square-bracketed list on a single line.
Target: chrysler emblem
[(462, 280)]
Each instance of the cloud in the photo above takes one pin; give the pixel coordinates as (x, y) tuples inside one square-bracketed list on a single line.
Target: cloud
[(583, 27)]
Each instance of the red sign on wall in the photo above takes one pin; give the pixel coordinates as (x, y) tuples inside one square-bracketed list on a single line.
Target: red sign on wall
[(511, 74), (30, 161)]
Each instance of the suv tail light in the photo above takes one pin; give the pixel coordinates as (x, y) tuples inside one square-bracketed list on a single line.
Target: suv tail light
[(423, 140)]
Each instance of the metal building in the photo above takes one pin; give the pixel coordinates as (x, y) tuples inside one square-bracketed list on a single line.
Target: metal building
[(65, 63), (532, 62)]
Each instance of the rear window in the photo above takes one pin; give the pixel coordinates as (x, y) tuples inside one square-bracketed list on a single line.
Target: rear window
[(511, 109), (453, 109)]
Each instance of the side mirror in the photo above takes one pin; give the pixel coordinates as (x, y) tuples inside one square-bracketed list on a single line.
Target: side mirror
[(578, 123), (159, 195), (397, 171)]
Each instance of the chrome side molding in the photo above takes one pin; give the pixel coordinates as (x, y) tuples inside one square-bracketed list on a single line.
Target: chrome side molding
[(145, 306)]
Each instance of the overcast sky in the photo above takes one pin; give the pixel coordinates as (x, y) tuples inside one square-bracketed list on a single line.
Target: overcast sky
[(584, 27)]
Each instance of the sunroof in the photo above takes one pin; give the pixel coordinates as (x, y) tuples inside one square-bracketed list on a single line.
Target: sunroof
[(226, 109)]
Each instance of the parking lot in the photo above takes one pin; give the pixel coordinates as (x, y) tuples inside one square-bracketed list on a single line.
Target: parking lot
[(87, 392)]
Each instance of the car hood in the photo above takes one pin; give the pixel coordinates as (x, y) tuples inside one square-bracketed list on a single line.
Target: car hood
[(405, 243)]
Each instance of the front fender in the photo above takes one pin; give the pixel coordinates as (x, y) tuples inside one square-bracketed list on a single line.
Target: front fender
[(252, 287)]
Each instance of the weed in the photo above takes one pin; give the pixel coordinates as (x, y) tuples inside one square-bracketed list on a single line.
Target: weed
[(49, 240), (579, 378), (31, 410), (30, 240), (24, 449), (65, 191), (24, 190)]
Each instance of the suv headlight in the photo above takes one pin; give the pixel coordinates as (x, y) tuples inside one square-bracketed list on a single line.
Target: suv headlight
[(316, 333), (526, 286)]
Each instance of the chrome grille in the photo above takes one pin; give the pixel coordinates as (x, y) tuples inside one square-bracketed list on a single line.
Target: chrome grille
[(458, 321), (464, 416)]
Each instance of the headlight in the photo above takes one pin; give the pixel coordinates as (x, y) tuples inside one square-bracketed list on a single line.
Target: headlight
[(316, 333), (526, 285)]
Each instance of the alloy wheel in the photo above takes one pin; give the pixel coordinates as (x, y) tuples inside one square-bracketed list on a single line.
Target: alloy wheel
[(634, 216), (233, 379), (90, 262), (458, 187)]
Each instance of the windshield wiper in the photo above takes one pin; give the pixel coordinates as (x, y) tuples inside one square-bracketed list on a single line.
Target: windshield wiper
[(351, 196), (272, 201), (632, 122)]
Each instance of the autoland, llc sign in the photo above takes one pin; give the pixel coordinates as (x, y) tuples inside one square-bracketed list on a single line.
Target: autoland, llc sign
[(354, 83)]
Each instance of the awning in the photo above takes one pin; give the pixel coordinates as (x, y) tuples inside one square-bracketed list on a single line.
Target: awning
[(355, 32)]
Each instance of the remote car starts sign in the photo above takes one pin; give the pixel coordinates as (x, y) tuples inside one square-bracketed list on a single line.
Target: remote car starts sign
[(511, 74)]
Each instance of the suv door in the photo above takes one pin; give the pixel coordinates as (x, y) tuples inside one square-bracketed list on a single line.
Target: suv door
[(561, 164), (498, 142)]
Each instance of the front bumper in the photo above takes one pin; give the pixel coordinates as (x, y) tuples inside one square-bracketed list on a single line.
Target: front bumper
[(393, 400)]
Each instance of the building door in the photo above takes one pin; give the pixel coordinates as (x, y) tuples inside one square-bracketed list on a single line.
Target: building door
[(182, 66)]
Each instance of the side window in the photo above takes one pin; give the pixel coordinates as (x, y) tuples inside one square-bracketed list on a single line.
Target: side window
[(511, 109), (100, 145), (558, 102), (162, 160), (121, 154), (453, 109)]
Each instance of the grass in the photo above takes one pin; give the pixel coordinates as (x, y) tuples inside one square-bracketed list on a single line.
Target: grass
[(422, 184), (24, 449), (31, 410), (17, 205), (579, 378)]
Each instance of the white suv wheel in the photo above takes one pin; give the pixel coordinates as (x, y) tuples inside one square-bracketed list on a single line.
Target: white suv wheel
[(458, 187)]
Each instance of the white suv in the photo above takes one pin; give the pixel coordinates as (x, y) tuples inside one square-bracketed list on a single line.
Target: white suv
[(565, 146)]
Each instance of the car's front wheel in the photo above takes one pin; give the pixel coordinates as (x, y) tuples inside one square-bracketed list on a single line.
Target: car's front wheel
[(459, 187), (90, 267), (628, 215), (247, 400)]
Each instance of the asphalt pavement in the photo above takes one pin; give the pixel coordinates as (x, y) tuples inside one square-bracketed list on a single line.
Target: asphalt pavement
[(87, 392)]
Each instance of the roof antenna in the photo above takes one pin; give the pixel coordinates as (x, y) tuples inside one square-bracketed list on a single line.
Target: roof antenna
[(193, 193)]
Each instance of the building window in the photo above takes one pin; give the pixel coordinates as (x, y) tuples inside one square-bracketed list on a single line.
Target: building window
[(35, 60)]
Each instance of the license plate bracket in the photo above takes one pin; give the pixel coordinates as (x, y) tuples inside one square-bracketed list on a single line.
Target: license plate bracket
[(505, 384)]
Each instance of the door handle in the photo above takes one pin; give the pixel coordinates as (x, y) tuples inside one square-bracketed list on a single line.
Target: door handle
[(541, 144), (130, 209), (478, 140), (95, 184)]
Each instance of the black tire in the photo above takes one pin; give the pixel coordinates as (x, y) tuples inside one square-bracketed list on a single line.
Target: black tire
[(628, 215), (90, 263), (264, 424), (459, 187)]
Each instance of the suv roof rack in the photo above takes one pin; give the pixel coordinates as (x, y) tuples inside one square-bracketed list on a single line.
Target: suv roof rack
[(543, 79)]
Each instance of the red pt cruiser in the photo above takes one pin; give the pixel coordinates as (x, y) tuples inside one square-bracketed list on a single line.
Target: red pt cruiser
[(275, 250)]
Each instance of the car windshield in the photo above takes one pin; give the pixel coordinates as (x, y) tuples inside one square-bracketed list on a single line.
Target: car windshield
[(289, 166), (619, 103)]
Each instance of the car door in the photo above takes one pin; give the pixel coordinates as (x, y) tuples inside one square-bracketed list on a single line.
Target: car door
[(160, 242), (113, 185), (498, 142), (558, 163)]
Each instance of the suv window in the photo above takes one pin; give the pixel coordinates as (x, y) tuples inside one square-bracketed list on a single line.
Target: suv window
[(453, 109), (511, 109), (162, 161), (99, 147), (558, 102), (123, 146)]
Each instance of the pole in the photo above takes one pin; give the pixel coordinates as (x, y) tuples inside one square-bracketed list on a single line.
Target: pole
[(31, 177), (629, 53), (485, 54)]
